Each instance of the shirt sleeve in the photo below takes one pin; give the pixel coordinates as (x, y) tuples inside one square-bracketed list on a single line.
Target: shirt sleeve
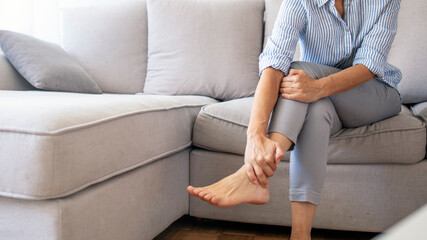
[(281, 44), (376, 44)]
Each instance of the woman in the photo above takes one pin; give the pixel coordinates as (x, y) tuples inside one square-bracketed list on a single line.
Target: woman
[(343, 81)]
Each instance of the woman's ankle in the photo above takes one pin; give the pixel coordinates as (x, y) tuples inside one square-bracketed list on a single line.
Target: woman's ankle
[(300, 234)]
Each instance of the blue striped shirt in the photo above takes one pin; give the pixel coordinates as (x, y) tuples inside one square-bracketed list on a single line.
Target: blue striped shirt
[(364, 36)]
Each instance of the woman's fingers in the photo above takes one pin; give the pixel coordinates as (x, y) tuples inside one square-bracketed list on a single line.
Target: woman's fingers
[(251, 173), (295, 72), (262, 179), (279, 154), (288, 79), (269, 160), (288, 90), (298, 97), (284, 84), (266, 165)]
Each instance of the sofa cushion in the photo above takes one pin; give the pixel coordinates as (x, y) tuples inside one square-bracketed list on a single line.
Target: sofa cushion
[(10, 79), (45, 65), (420, 109), (408, 51), (204, 47), (110, 42), (400, 139), (54, 144)]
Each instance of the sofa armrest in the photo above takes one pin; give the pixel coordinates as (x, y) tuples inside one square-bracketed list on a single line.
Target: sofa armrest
[(10, 79), (420, 109)]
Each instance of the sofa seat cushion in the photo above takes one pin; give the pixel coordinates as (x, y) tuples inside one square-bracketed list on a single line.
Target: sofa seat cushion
[(400, 139), (54, 144)]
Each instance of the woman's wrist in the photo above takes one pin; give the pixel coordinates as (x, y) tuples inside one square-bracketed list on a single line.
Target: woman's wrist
[(255, 133), (324, 87)]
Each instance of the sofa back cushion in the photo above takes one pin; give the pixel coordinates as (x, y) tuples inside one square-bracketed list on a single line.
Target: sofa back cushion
[(204, 47), (110, 42), (409, 50)]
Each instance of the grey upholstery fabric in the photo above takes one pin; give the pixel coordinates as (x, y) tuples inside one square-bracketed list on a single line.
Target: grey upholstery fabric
[(110, 42), (129, 207), (45, 65), (357, 197), (400, 139), (420, 109), (10, 79), (55, 144), (409, 50), (206, 48)]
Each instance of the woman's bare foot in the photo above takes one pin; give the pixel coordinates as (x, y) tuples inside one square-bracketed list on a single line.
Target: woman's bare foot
[(232, 190)]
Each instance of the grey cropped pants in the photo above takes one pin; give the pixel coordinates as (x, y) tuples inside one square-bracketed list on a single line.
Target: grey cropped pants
[(309, 126)]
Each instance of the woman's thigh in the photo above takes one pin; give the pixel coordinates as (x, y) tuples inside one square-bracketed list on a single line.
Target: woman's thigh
[(370, 102)]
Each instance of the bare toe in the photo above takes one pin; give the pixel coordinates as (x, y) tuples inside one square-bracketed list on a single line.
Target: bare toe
[(202, 194), (190, 190), (208, 197), (197, 191), (214, 200)]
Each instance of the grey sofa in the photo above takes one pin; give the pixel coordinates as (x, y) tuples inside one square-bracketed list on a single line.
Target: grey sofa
[(116, 165)]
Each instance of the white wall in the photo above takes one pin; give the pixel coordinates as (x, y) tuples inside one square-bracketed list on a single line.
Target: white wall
[(39, 18)]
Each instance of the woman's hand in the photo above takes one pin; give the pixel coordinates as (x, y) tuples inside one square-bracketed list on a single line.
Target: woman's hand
[(261, 156), (299, 86)]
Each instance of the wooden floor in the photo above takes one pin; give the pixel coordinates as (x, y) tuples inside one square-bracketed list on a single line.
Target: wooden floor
[(189, 228)]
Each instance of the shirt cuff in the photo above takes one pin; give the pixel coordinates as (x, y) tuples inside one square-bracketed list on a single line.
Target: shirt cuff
[(374, 64), (281, 63)]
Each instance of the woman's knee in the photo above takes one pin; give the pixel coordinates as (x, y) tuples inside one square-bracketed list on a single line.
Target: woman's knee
[(321, 110), (314, 70)]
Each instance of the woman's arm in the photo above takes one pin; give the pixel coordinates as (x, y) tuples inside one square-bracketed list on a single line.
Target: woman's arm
[(264, 100), (346, 79), (299, 86), (261, 153)]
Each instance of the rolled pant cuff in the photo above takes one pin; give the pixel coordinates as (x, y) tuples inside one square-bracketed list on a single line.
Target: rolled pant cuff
[(304, 196), (287, 131)]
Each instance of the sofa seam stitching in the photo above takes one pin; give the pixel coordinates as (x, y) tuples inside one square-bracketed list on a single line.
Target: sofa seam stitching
[(332, 137), (222, 119), (92, 123), (97, 180), (376, 132)]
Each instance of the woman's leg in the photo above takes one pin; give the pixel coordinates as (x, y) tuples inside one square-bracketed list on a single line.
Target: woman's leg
[(312, 124), (370, 102), (288, 117), (308, 165)]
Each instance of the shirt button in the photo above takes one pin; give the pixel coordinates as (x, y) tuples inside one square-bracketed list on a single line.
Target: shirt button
[(347, 4)]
